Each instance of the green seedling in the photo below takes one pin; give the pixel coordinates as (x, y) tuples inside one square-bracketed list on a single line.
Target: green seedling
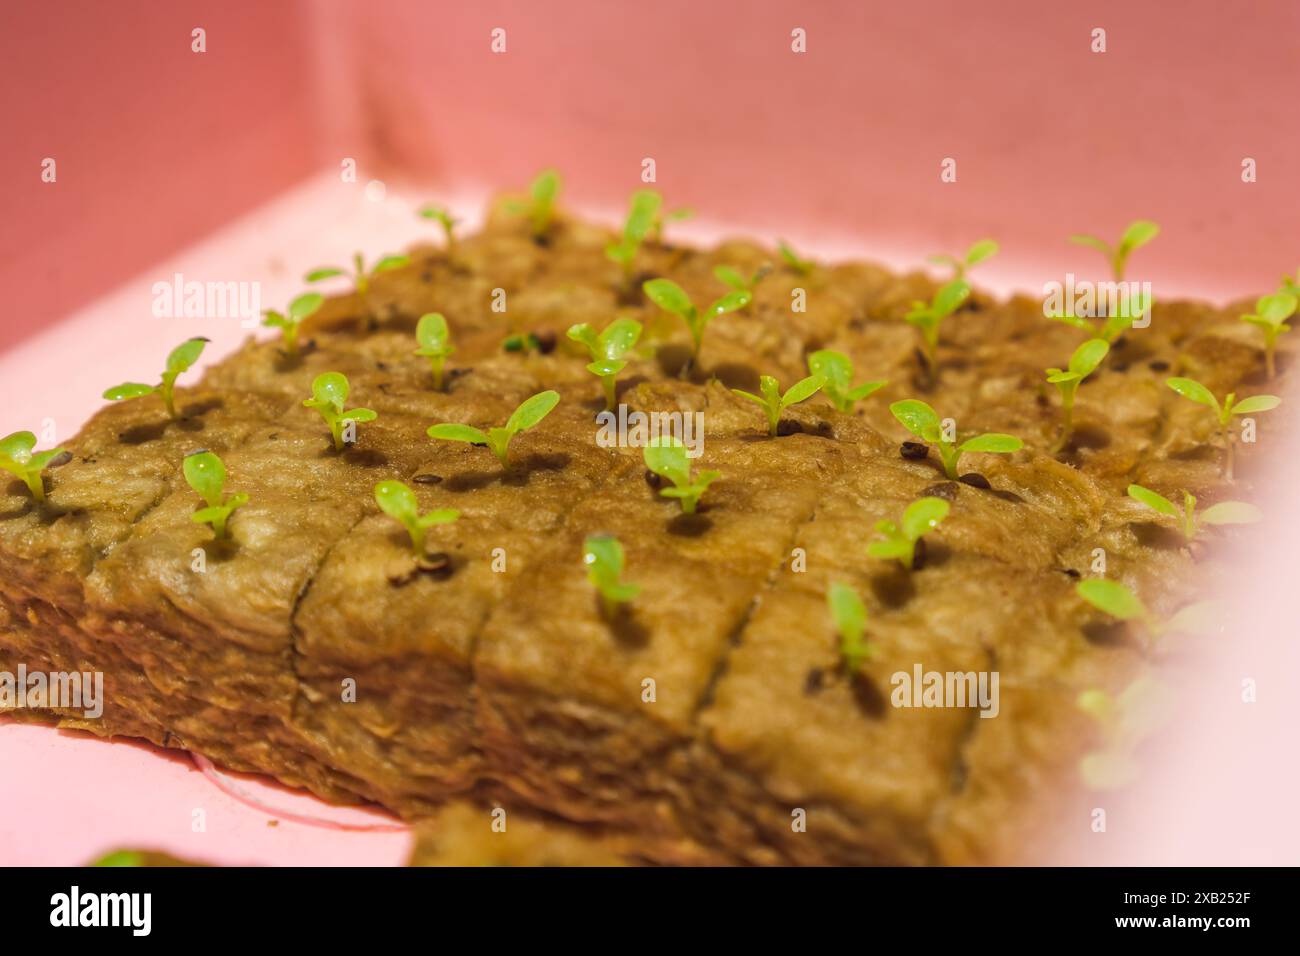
[(521, 342), (666, 457), (398, 501), (361, 276), (329, 391), (792, 259), (1271, 313), (1223, 413), (977, 253), (670, 297), (1189, 522), (540, 205), (207, 475), (641, 218), (733, 279), (1113, 326), (928, 317), (445, 219), (435, 343), (288, 322), (899, 541), (1291, 285), (19, 457), (1115, 599), (603, 556), (178, 362), (923, 422), (1124, 720), (1083, 363), (608, 351), (850, 617), (837, 370), (528, 415), (774, 403), (1137, 234), (676, 215)]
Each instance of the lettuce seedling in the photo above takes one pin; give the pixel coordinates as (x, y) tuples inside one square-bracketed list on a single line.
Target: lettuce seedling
[(1223, 413), (1115, 599), (1189, 522), (923, 422), (178, 362), (928, 317), (329, 391), (1113, 326), (1271, 313), (641, 217), (977, 253), (1124, 719), (207, 475), (666, 457), (675, 215), (792, 259), (444, 219), (1083, 363), (608, 351), (1137, 234), (899, 541), (1291, 285), (435, 343), (528, 415), (19, 457), (361, 276), (850, 617), (540, 206), (735, 280), (398, 501), (305, 306), (670, 297), (603, 556), (837, 369), (774, 403)]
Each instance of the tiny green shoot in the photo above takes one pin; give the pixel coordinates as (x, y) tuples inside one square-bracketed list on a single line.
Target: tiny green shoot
[(207, 475), (361, 276), (1115, 599), (1189, 522), (432, 334), (670, 297), (540, 205), (774, 403), (675, 215), (329, 391), (977, 253), (1270, 315), (1223, 413), (899, 541), (1083, 363), (445, 219), (1128, 311), (927, 318), (178, 362), (603, 556), (304, 306), (736, 280), (666, 457), (528, 415), (923, 422), (850, 617), (608, 351), (398, 501), (837, 369), (641, 218), (1137, 234), (1124, 719), (1291, 285), (797, 264), (19, 457)]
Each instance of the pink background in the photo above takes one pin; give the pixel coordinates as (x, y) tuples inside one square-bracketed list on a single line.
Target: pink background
[(224, 165)]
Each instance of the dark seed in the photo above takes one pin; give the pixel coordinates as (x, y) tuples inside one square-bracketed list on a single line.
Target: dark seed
[(788, 427), (1071, 573), (975, 480), (814, 681), (918, 555), (947, 490), (427, 479), (1159, 365), (914, 450), (426, 276), (653, 480), (1119, 367), (436, 565), (382, 366), (545, 340), (1119, 343), (868, 695)]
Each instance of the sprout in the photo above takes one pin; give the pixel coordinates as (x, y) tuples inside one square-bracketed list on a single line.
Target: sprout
[(521, 342), (1138, 234), (19, 459), (641, 219), (1271, 313), (670, 297), (676, 215), (923, 422), (329, 391), (1129, 310), (1083, 363), (899, 543), (850, 616), (734, 280), (666, 457), (435, 343), (360, 276), (1124, 719), (540, 206), (179, 361), (1119, 602), (306, 305), (837, 369), (1194, 390), (792, 259), (774, 403), (1225, 512), (603, 556), (984, 249), (1291, 285), (607, 351), (528, 415), (445, 219), (398, 501), (927, 318), (207, 476)]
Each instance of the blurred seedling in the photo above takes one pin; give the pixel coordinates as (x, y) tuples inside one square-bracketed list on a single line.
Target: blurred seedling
[(540, 205), (434, 338), (793, 260), (608, 351), (444, 218), (398, 501), (1083, 363), (670, 297), (850, 617), (178, 362), (528, 415), (1223, 412), (329, 392), (1270, 315), (675, 215), (1137, 234), (736, 281), (603, 556), (1189, 521), (977, 253), (837, 370), (361, 276), (666, 457), (206, 474), (1129, 310), (927, 318), (641, 218), (289, 321), (1117, 600), (19, 457), (900, 539), (774, 403), (923, 422), (1124, 721)]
